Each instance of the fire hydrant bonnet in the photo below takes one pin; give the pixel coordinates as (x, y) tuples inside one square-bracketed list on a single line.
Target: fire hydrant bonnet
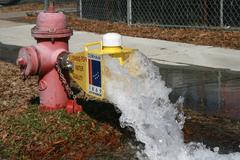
[(51, 25)]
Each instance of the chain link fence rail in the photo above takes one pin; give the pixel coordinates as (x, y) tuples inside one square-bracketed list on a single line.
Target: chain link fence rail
[(223, 14)]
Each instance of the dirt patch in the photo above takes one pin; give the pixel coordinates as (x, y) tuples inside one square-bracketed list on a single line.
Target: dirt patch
[(213, 131), (26, 133)]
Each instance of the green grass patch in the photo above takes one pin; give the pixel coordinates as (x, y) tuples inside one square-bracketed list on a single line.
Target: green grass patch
[(54, 135)]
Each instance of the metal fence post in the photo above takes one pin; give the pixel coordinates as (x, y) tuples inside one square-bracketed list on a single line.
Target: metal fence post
[(219, 89), (221, 14), (80, 9), (46, 4), (129, 12)]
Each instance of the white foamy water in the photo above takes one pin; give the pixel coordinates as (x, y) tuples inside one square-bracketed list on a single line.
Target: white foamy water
[(140, 94)]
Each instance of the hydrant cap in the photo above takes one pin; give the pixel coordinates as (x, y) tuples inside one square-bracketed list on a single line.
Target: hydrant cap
[(51, 25), (112, 40)]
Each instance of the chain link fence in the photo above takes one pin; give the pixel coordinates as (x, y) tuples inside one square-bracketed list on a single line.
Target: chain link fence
[(64, 5), (187, 13), (109, 10), (223, 14)]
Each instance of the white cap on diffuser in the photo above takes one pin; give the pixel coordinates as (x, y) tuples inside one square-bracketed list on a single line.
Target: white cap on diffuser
[(112, 40)]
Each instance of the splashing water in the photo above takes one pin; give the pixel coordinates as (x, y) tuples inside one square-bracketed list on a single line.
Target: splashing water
[(139, 93)]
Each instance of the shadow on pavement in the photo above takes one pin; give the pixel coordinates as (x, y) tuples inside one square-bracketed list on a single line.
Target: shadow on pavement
[(8, 52)]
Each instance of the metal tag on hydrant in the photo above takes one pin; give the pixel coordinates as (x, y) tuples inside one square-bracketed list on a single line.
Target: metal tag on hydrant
[(88, 73)]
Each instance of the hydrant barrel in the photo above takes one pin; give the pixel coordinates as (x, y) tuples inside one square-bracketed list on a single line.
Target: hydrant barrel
[(52, 37)]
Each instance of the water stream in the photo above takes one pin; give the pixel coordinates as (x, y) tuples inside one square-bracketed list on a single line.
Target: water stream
[(138, 91)]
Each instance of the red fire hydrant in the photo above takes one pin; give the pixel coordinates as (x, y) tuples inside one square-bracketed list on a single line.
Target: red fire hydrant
[(52, 36)]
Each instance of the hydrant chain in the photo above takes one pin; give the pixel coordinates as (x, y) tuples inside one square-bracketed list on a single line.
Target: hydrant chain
[(64, 81)]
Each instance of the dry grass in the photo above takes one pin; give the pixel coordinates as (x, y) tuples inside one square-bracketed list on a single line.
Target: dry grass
[(26, 133)]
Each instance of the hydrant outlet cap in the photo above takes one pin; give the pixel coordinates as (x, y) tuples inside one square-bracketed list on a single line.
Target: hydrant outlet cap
[(112, 40)]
